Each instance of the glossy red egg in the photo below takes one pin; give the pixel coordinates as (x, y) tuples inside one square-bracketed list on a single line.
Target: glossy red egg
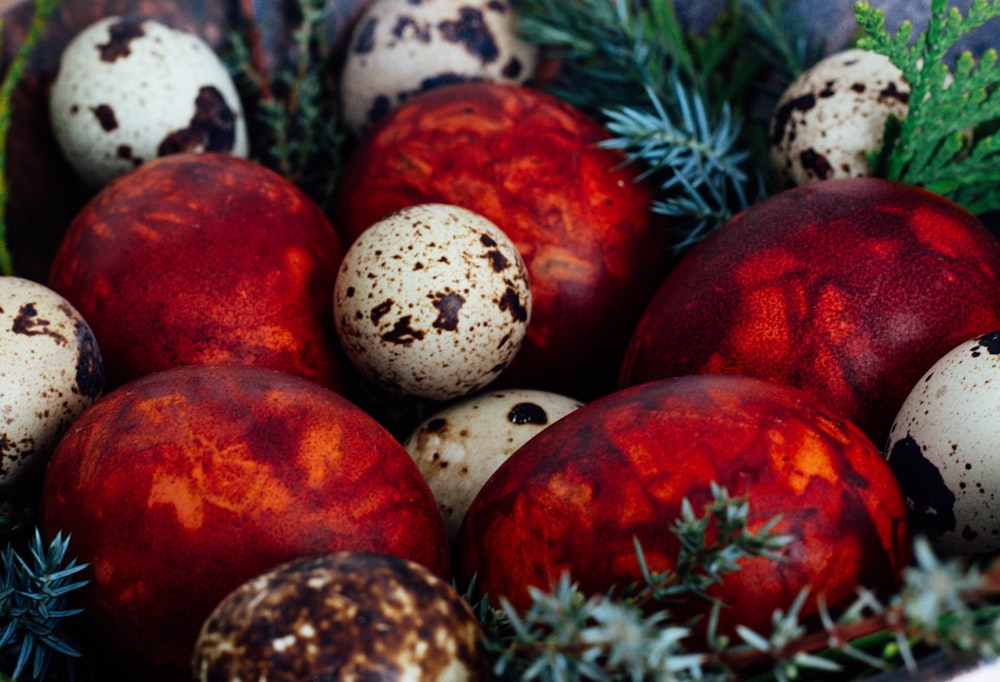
[(205, 259), (181, 485), (530, 163), (850, 289), (576, 496)]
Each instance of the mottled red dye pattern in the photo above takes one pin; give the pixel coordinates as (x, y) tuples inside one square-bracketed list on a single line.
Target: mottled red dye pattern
[(183, 484), (574, 497), (528, 162), (850, 289), (205, 259)]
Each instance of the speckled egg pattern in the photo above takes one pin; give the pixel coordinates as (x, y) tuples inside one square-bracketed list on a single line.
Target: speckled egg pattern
[(50, 371), (130, 90), (943, 449), (459, 447), (832, 114), (432, 301), (400, 48), (344, 616)]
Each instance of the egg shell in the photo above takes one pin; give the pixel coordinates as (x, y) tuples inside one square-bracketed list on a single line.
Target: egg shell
[(50, 371), (832, 115), (400, 48), (344, 616), (942, 448), (129, 90), (459, 447), (432, 301)]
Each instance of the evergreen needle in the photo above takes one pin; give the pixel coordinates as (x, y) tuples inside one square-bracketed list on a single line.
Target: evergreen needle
[(948, 141), (42, 10)]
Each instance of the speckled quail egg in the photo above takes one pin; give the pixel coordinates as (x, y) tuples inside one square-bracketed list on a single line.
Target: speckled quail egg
[(342, 616), (460, 446), (50, 371), (832, 115), (129, 90), (943, 448), (400, 48), (432, 301)]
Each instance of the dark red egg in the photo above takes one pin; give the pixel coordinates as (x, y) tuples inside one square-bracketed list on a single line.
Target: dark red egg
[(530, 163), (850, 289), (181, 485), (576, 496), (205, 259)]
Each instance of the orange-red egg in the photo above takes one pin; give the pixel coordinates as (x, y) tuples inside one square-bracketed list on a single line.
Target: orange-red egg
[(531, 164), (180, 485), (576, 496), (205, 259), (849, 288)]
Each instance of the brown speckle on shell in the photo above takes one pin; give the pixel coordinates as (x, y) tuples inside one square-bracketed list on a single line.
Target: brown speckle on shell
[(121, 34), (212, 127), (471, 31), (342, 616), (105, 116)]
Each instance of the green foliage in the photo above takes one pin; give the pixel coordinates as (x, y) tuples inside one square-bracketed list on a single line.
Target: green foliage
[(949, 606), (34, 592), (673, 99), (566, 635), (42, 10), (948, 141), (294, 122)]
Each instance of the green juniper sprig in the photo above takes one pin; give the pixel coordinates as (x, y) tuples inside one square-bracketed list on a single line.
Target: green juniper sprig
[(566, 635), (674, 100), (294, 119), (944, 605), (947, 142), (34, 608), (42, 11)]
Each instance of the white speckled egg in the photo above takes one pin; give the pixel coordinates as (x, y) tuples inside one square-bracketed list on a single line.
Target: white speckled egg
[(400, 48), (50, 371), (944, 447), (129, 90), (432, 301), (832, 114), (460, 446), (342, 616)]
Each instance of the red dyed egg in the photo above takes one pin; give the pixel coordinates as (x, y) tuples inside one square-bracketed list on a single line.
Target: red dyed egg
[(575, 496), (850, 289), (528, 162), (183, 484), (205, 259)]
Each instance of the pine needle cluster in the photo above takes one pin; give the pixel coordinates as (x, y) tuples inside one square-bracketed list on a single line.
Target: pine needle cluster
[(34, 595), (675, 101), (948, 142)]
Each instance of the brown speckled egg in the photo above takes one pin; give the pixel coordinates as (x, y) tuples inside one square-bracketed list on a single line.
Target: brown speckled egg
[(832, 115), (129, 90), (460, 446), (342, 616), (400, 48), (50, 371), (432, 301)]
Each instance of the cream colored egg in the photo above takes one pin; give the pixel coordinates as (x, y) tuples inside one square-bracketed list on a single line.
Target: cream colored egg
[(460, 446), (832, 115), (129, 90), (943, 448), (50, 371), (400, 48), (432, 301)]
